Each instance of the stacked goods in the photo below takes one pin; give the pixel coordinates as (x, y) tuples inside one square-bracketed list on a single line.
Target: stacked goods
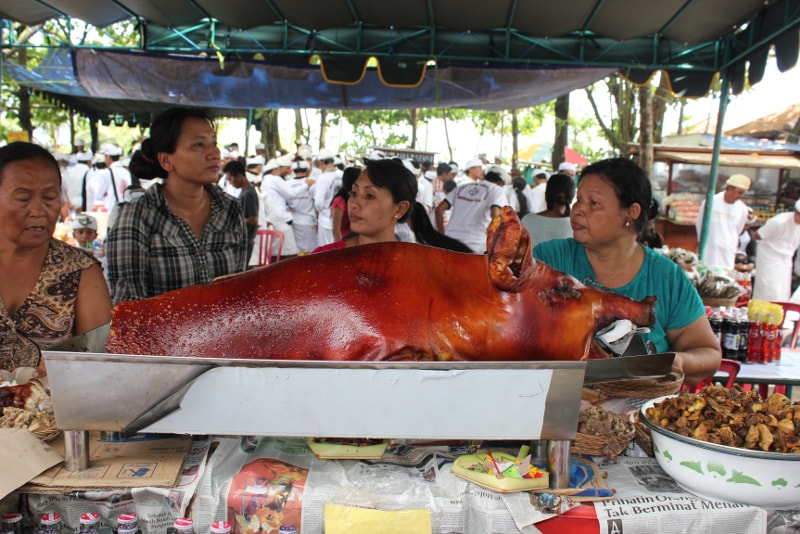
[(682, 208), (27, 406)]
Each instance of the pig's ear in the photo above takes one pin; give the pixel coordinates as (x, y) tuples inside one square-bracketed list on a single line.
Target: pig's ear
[(510, 256)]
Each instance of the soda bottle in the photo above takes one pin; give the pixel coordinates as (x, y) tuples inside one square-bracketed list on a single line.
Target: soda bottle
[(744, 334), (183, 525), (768, 341), (50, 524), (730, 337), (89, 523), (220, 527), (11, 523), (127, 523), (754, 344), (716, 323)]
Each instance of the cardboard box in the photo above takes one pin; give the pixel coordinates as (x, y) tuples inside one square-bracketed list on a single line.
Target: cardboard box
[(143, 461)]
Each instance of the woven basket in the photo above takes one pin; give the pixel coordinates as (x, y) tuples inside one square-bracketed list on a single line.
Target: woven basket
[(643, 438), (608, 446), (715, 302), (643, 388)]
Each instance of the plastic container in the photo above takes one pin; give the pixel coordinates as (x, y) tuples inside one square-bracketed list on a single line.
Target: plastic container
[(183, 525), (127, 523)]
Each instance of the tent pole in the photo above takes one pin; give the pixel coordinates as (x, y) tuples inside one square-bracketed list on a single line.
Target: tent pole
[(712, 178), (247, 132)]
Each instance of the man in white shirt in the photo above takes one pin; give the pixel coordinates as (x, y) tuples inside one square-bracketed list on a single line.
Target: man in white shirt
[(728, 218), (777, 240), (328, 183), (104, 186), (301, 204), (474, 203), (75, 180), (275, 196)]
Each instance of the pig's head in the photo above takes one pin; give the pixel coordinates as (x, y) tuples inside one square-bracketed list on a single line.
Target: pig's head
[(562, 303)]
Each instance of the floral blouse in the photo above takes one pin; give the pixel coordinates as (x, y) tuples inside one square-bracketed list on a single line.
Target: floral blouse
[(47, 316)]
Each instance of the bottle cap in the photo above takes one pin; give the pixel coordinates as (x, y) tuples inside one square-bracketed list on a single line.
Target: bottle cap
[(53, 518), (183, 523), (89, 518), (12, 517), (220, 527), (127, 517)]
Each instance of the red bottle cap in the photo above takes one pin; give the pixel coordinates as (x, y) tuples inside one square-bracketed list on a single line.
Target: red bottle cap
[(220, 527)]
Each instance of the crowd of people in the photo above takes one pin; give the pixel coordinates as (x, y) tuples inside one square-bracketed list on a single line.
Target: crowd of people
[(182, 211)]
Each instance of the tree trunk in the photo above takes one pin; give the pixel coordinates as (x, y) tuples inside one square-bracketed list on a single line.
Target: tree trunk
[(94, 132), (660, 100), (447, 134), (414, 120), (646, 130), (323, 127), (562, 131), (514, 139), (269, 125), (298, 128), (24, 95)]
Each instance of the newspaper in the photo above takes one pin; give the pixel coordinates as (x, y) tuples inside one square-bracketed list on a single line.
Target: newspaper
[(648, 500), (156, 508), (242, 484)]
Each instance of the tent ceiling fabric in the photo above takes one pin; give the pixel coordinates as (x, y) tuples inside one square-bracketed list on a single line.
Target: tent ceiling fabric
[(691, 40)]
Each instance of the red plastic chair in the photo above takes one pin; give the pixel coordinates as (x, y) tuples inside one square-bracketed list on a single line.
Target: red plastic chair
[(267, 240), (726, 366)]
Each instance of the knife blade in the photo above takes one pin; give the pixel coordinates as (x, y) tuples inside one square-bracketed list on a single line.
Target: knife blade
[(93, 340), (627, 367)]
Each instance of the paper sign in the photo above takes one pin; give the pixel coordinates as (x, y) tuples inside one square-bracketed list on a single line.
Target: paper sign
[(341, 519), (22, 457)]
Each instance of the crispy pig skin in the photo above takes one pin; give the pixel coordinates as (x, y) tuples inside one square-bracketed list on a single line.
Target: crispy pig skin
[(384, 301)]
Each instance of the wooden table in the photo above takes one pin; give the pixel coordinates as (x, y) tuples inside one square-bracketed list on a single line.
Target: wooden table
[(785, 372)]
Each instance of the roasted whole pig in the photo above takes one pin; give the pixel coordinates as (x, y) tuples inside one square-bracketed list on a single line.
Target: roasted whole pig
[(384, 301)]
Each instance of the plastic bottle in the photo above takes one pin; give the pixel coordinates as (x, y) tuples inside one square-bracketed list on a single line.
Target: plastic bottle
[(730, 337), (716, 323), (768, 341), (754, 344), (287, 529), (11, 523), (744, 334), (89, 523), (50, 523)]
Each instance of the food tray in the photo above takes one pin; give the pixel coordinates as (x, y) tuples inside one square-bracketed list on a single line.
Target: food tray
[(187, 395)]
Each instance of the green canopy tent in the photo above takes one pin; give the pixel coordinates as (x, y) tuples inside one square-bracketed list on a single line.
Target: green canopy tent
[(692, 41)]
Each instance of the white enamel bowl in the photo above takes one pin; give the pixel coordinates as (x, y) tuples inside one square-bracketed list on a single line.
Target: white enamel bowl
[(768, 480)]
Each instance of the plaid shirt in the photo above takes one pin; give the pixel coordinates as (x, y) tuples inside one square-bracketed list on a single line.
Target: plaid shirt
[(151, 250)]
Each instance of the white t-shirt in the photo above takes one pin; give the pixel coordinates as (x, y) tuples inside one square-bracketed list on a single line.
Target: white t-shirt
[(727, 222), (471, 212), (778, 241), (536, 200), (101, 188), (425, 194)]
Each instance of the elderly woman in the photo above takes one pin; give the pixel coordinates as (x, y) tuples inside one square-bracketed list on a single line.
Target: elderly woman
[(186, 231), (49, 291), (382, 196), (610, 210)]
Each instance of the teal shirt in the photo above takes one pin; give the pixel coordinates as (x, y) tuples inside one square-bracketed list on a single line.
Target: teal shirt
[(678, 303)]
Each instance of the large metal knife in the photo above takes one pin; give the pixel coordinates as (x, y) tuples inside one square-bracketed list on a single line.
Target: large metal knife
[(629, 367)]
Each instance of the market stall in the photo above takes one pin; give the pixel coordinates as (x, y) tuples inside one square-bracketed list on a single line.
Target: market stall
[(681, 176)]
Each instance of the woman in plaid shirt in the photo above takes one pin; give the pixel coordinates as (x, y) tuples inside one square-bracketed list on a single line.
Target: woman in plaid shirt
[(186, 231)]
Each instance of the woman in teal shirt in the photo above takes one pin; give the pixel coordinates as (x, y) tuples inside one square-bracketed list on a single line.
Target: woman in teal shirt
[(609, 211)]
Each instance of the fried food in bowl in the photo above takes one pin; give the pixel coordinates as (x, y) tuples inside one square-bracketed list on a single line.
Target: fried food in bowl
[(723, 445)]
